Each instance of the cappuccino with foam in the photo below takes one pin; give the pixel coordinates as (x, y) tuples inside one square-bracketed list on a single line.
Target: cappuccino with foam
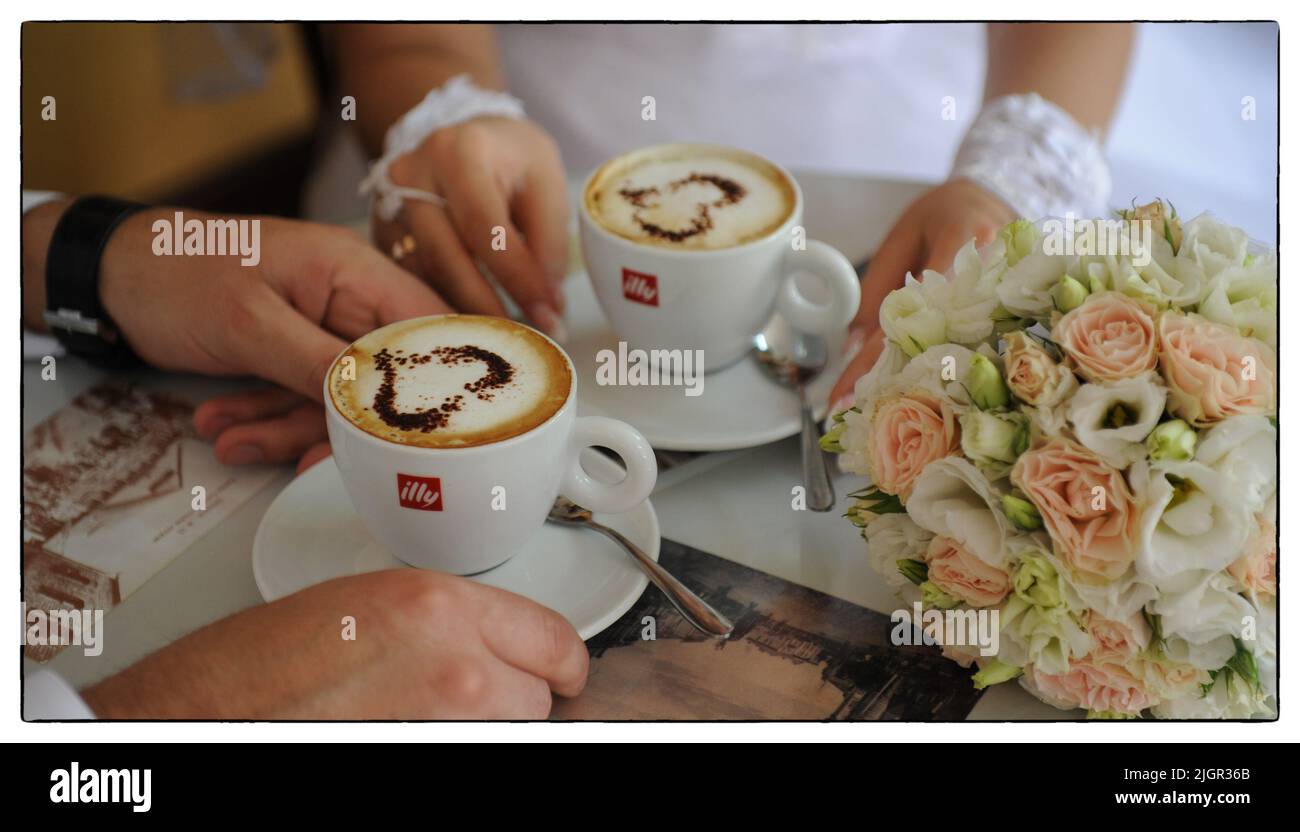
[(693, 197), (450, 381)]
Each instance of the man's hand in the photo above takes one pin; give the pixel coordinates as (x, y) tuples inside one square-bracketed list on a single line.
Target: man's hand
[(285, 319), (427, 646), (507, 208), (927, 236)]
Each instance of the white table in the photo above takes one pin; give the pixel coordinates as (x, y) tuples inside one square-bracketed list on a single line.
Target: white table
[(747, 517)]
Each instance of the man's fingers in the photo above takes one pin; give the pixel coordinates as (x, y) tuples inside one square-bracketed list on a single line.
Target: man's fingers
[(537, 640), (278, 344), (447, 263), (316, 453), (398, 294), (215, 415), (282, 438)]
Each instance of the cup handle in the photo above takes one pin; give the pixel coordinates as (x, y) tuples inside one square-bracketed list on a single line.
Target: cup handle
[(836, 272), (638, 458)]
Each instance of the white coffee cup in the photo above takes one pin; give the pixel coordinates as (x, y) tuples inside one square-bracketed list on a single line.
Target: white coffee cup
[(464, 510), (718, 299)]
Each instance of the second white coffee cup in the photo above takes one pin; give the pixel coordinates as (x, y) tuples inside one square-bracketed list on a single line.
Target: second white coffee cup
[(714, 300)]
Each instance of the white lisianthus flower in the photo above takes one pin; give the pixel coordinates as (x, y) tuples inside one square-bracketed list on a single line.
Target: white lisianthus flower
[(1243, 450), (911, 317), (1213, 245), (1194, 519), (1118, 599), (1163, 281), (1026, 288), (891, 538), (855, 435), (1200, 615), (1113, 420), (953, 499), (1040, 621), (1246, 297), (1227, 698), (968, 296), (942, 371), (1264, 646)]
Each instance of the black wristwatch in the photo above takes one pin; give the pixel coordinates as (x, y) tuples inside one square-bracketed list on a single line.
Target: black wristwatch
[(74, 311)]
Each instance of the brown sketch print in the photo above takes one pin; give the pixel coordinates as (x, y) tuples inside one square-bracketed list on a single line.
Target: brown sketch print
[(796, 654), (108, 447)]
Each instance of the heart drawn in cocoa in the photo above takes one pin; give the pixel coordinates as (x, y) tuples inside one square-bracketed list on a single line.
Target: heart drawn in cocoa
[(497, 374), (720, 191)]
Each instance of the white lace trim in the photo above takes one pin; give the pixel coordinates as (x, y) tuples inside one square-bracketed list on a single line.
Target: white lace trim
[(456, 101), (1037, 158)]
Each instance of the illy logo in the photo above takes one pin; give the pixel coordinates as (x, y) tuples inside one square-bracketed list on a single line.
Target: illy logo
[(640, 287), (422, 493)]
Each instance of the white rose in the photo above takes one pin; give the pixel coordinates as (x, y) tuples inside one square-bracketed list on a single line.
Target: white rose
[(1194, 519), (891, 538), (953, 499), (1246, 297), (1213, 245), (911, 319), (1200, 615), (1114, 419), (1243, 450)]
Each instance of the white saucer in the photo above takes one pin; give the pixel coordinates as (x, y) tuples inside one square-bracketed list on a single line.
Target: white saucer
[(740, 406), (311, 534)]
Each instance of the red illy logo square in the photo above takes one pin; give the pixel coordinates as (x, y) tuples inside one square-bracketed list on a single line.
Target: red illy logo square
[(421, 493), (640, 287)]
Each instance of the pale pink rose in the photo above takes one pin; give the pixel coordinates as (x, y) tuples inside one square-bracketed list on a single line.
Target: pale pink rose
[(964, 576), (1256, 569), (1118, 640), (907, 434), (1213, 371), (1034, 376), (1165, 679), (1110, 337), (1086, 506), (1094, 685)]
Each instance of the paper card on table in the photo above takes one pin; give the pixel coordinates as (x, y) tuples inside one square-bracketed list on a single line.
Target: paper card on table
[(109, 497), (795, 654)]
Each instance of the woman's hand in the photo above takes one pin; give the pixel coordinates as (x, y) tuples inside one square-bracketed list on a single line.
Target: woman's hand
[(424, 645), (927, 236), (507, 208)]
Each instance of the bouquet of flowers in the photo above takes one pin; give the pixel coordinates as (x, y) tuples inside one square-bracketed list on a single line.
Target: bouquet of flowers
[(1074, 431)]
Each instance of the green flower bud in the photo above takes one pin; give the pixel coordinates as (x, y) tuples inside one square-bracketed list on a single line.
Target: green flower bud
[(993, 438), (987, 389), (1172, 440), (1068, 293), (932, 596), (1019, 237), (995, 672), (914, 570), (830, 441), (1036, 581), (1021, 513)]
